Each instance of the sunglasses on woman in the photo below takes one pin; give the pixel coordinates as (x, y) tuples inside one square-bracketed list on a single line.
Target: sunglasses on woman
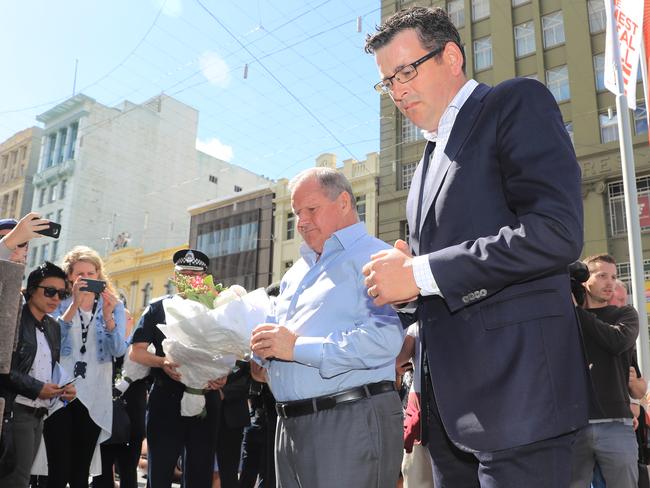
[(50, 291)]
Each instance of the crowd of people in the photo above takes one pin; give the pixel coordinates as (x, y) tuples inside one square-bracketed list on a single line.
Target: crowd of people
[(521, 359)]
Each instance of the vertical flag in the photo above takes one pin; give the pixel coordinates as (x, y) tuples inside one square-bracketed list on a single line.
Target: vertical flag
[(646, 53), (629, 25)]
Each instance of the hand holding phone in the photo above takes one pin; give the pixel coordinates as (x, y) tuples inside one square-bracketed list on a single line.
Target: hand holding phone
[(71, 382), (52, 230), (93, 286)]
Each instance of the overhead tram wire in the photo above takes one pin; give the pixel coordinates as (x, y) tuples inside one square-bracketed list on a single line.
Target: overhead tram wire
[(100, 79), (284, 87)]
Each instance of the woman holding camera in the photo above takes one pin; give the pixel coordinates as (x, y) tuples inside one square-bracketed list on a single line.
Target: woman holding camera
[(92, 333)]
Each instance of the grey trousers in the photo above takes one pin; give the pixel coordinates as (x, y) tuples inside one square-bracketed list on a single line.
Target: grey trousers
[(354, 445), (27, 439)]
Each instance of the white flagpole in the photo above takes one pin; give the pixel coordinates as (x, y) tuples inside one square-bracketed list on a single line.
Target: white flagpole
[(631, 202)]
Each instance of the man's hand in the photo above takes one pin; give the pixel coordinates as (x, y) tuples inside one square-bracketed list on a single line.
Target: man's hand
[(217, 384), (389, 276), (171, 369), (50, 390), (69, 393), (636, 386), (259, 373), (25, 230), (273, 341)]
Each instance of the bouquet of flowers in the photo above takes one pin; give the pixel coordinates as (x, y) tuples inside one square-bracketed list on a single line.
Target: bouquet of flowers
[(208, 328)]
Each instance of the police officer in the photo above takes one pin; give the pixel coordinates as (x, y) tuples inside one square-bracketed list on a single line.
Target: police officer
[(170, 435)]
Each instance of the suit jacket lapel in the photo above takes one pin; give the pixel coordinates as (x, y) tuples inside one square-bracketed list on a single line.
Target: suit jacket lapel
[(412, 202), (462, 126)]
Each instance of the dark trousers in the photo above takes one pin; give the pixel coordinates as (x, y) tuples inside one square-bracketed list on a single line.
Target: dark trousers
[(126, 456), (229, 454), (70, 438), (169, 435), (542, 464), (258, 459)]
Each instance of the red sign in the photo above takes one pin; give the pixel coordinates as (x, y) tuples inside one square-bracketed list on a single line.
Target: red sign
[(644, 210)]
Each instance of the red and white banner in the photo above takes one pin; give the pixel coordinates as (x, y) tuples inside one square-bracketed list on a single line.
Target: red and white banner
[(629, 31)]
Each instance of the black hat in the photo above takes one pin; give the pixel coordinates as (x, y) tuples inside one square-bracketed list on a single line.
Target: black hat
[(8, 224), (190, 260)]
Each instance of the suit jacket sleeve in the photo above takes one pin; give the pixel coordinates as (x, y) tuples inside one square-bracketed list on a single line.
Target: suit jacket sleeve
[(540, 181)]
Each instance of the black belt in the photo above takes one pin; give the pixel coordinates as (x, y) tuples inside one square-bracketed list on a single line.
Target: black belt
[(39, 412), (316, 404)]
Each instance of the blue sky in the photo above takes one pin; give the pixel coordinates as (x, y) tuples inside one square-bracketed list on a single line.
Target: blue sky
[(308, 88)]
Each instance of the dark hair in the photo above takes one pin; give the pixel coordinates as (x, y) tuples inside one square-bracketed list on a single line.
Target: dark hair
[(36, 277), (602, 258), (433, 27)]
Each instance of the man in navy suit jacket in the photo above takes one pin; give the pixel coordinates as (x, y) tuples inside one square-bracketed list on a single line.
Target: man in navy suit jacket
[(495, 217)]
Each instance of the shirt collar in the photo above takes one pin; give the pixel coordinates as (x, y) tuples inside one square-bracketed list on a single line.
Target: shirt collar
[(453, 108), (341, 239)]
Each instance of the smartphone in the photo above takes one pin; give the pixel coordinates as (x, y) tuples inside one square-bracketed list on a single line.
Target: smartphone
[(53, 230), (69, 382), (94, 286)]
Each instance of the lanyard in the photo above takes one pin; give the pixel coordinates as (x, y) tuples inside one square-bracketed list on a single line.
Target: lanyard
[(84, 327)]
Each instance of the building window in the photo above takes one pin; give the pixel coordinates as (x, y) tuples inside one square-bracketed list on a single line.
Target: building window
[(524, 39), (640, 121), (557, 81), (599, 71), (63, 135), (45, 253), (408, 169), (59, 215), (33, 252), (238, 188), (456, 12), (41, 197), (608, 127), (624, 272), (597, 18), (569, 128), (553, 29), (213, 179), (361, 207), (516, 3), (480, 9), (51, 195), (62, 188), (616, 197), (404, 231), (146, 295), (410, 131), (291, 225), (482, 53), (74, 129), (55, 251), (51, 141)]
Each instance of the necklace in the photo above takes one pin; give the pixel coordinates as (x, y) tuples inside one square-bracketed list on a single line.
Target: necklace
[(84, 327)]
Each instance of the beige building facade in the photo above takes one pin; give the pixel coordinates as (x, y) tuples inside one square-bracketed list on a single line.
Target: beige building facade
[(363, 178), (18, 163), (561, 43)]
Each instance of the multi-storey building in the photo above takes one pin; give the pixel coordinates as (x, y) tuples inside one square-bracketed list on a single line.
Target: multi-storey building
[(18, 163), (235, 232), (363, 178), (125, 175), (560, 43)]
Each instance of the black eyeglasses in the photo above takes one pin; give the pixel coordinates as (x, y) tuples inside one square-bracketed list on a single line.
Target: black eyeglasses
[(406, 73), (50, 291)]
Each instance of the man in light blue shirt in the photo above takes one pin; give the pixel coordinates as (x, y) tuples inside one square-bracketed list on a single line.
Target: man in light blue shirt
[(330, 356)]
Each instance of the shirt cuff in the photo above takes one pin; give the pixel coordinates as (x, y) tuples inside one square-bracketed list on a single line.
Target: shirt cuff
[(309, 351), (424, 277), (5, 252)]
